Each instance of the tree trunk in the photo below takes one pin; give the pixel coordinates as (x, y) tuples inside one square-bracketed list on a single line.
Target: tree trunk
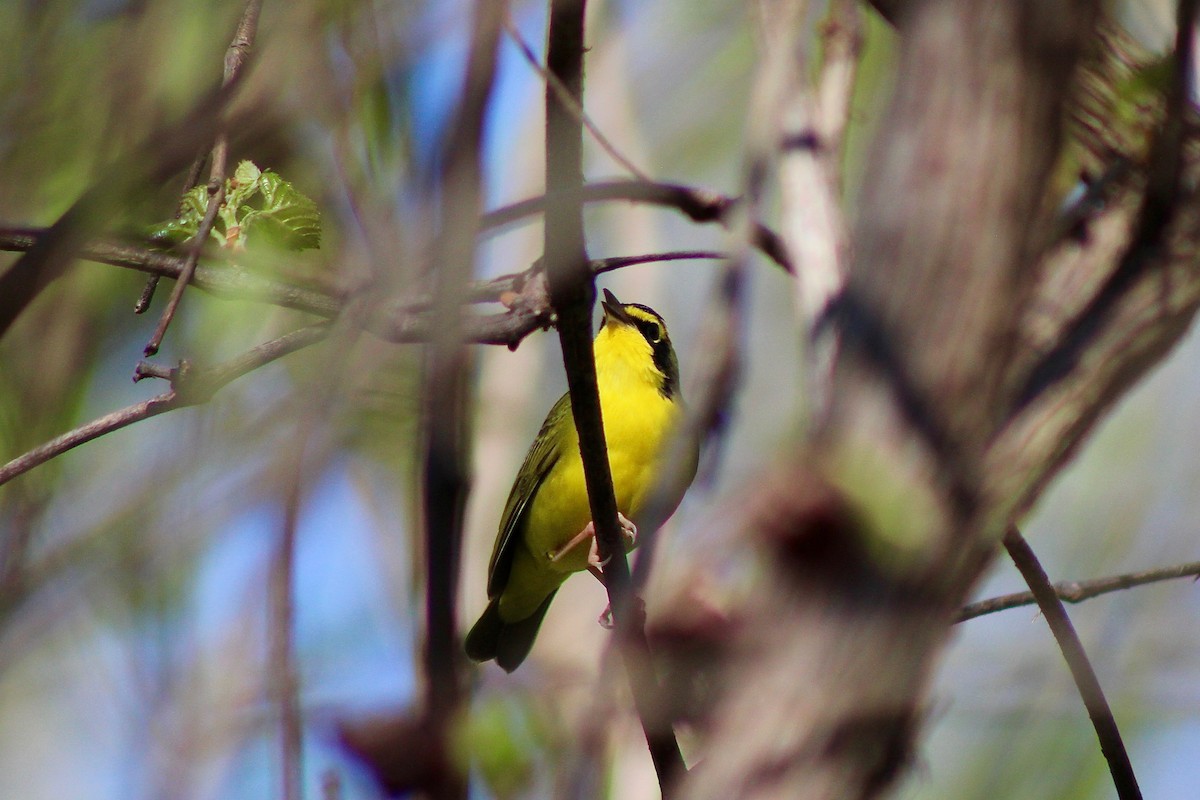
[(939, 431)]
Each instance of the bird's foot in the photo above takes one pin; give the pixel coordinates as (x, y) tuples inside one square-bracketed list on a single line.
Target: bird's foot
[(606, 619), (628, 533)]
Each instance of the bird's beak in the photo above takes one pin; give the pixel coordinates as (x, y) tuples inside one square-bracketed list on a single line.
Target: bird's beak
[(612, 308)]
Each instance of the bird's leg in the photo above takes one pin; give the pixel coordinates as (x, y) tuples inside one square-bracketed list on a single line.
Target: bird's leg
[(589, 531), (628, 533)]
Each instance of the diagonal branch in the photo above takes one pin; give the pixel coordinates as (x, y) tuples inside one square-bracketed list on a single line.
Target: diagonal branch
[(189, 387), (565, 97), (1111, 743), (1160, 208)]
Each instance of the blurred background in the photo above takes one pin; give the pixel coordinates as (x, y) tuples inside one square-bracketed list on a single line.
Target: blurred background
[(134, 570)]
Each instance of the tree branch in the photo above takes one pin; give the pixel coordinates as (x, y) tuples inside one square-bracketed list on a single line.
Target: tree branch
[(189, 387), (404, 320), (284, 678), (572, 293), (698, 205), (1111, 342), (1111, 743), (1078, 591), (1160, 207), (568, 100)]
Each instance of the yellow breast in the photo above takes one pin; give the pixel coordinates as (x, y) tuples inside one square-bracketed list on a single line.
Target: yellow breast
[(638, 424)]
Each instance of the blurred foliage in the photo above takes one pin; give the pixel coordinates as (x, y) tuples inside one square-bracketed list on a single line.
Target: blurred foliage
[(1119, 105), (503, 738)]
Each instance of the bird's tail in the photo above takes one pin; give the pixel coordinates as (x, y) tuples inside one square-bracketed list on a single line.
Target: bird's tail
[(507, 642)]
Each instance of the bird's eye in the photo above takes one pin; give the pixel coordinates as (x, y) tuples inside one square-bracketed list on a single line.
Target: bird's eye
[(654, 332)]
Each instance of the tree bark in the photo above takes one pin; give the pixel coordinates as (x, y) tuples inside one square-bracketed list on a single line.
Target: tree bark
[(869, 541)]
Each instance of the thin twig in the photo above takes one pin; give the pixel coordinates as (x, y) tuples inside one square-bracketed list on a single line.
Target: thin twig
[(284, 678), (568, 100), (1078, 591), (190, 181), (403, 321), (601, 265), (1111, 744), (147, 296), (191, 387), (216, 196), (572, 293), (235, 58), (699, 205)]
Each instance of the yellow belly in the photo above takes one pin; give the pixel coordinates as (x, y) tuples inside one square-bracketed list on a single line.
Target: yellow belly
[(638, 424)]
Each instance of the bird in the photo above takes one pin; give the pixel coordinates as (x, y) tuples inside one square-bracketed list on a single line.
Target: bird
[(546, 532)]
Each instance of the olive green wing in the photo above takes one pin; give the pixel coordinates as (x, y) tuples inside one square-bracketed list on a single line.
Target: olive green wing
[(541, 458)]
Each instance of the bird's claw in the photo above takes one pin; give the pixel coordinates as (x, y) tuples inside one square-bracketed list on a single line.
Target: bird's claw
[(628, 533)]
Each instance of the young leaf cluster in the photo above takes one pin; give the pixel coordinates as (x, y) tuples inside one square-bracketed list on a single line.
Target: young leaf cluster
[(259, 208)]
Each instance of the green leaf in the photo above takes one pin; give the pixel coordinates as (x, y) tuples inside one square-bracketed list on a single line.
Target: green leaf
[(284, 216), (259, 208), (186, 225)]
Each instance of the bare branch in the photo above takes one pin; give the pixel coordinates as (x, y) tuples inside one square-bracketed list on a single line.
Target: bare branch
[(808, 121), (222, 279), (1111, 743), (1160, 207), (698, 205), (168, 401), (1108, 307), (568, 100), (601, 265), (1078, 591), (216, 196), (190, 387), (405, 320)]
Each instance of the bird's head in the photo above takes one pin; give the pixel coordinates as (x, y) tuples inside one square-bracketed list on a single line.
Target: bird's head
[(634, 337)]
